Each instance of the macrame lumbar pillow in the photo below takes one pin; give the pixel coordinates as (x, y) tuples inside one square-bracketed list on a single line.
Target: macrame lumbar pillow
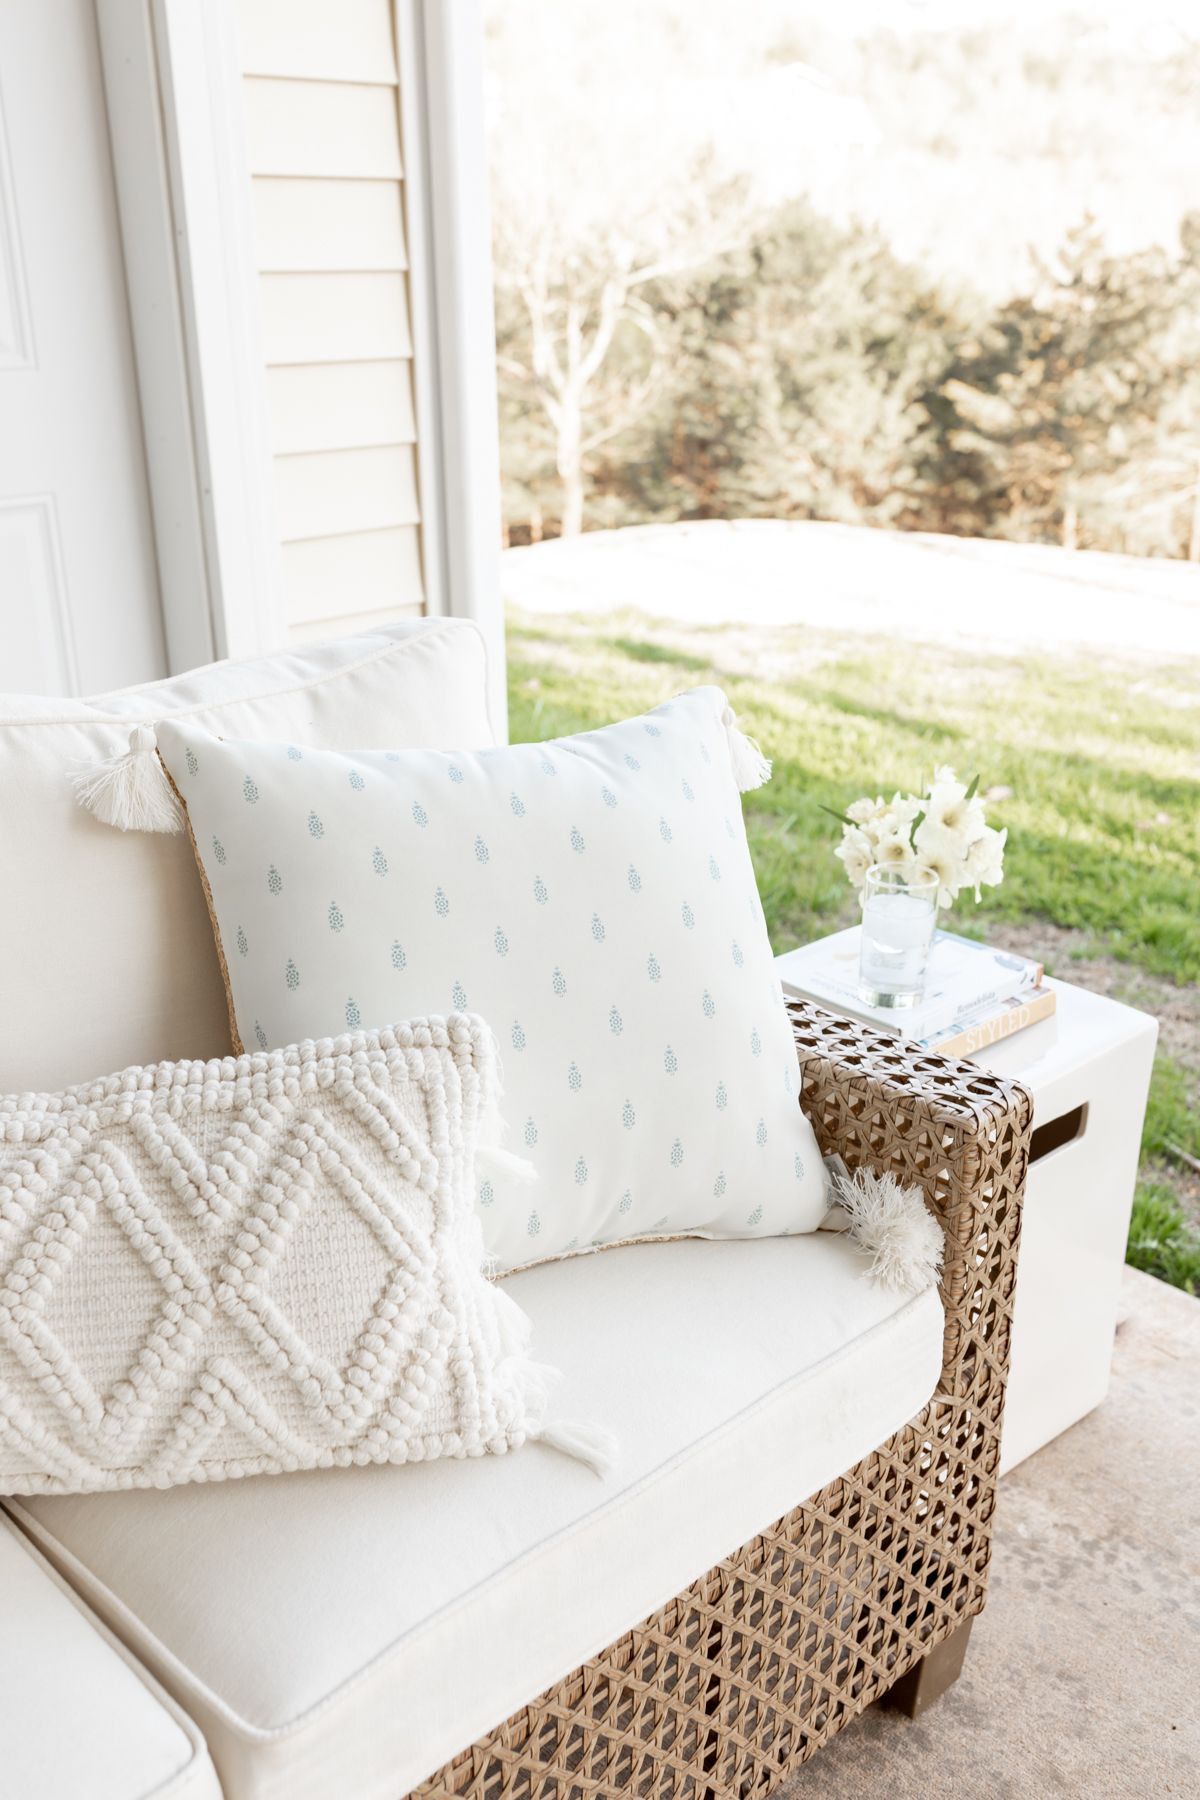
[(592, 897), (255, 1265)]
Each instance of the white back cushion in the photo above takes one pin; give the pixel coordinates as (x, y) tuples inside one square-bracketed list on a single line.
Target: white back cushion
[(106, 952)]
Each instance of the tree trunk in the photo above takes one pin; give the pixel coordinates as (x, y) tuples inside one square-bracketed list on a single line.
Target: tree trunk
[(1194, 539), (569, 463)]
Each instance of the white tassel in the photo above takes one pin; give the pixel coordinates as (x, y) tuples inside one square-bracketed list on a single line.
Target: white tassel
[(513, 1323), (505, 1166), (130, 790), (590, 1444), (538, 1381), (895, 1226), (751, 769)]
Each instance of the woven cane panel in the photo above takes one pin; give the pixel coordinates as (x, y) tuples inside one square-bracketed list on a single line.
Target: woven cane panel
[(740, 1678)]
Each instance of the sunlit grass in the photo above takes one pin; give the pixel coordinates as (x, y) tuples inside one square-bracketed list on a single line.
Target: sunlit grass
[(1102, 762), (1162, 1241)]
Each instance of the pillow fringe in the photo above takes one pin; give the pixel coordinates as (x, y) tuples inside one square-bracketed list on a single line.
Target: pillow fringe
[(594, 1445), (506, 1166)]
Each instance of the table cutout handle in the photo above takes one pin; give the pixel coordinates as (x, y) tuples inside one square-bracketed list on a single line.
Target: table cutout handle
[(1057, 1132)]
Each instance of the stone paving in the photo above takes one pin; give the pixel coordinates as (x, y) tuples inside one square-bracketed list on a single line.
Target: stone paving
[(1082, 1677)]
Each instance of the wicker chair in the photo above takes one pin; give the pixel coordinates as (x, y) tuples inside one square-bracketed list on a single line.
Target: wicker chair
[(869, 1587)]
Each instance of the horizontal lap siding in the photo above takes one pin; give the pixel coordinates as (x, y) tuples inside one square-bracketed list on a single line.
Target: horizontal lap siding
[(323, 138)]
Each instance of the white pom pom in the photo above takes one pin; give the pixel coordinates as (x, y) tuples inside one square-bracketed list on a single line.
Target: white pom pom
[(130, 790), (751, 769), (896, 1227)]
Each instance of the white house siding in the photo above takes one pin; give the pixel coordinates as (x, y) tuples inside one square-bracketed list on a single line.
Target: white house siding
[(322, 119)]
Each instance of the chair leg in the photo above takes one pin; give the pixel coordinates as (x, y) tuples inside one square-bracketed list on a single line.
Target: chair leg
[(928, 1680)]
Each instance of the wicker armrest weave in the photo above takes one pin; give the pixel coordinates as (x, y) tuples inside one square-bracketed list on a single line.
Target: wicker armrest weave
[(745, 1674), (956, 1132)]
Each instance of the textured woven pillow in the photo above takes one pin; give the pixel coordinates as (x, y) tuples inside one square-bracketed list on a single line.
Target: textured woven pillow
[(593, 898), (253, 1265)]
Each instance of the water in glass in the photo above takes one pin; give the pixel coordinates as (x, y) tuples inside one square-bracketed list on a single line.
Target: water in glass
[(899, 915)]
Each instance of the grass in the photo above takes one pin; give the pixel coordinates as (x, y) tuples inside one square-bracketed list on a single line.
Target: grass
[(1163, 1240), (1094, 768), (1101, 764)]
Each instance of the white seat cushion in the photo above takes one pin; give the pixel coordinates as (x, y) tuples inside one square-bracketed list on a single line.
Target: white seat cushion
[(343, 1634), (77, 1715), (132, 975)]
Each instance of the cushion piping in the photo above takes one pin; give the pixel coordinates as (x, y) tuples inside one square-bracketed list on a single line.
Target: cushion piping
[(437, 627)]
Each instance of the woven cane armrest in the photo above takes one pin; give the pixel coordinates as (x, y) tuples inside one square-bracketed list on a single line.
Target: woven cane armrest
[(949, 1128), (739, 1679)]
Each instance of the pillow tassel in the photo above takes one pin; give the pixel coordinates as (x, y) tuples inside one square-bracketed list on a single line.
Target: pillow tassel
[(751, 769), (894, 1225), (130, 790), (591, 1444), (512, 1322)]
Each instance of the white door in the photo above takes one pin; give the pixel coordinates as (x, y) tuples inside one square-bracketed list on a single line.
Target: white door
[(79, 599)]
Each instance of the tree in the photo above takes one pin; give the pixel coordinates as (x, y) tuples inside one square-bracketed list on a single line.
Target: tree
[(799, 362), (582, 304), (626, 152), (1057, 401), (592, 205)]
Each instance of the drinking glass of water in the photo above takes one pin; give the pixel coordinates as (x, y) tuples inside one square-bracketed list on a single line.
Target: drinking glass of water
[(899, 916)]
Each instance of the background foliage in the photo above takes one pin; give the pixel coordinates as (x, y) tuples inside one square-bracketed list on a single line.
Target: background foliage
[(744, 271)]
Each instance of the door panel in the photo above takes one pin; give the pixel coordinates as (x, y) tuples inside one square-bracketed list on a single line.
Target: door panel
[(79, 599)]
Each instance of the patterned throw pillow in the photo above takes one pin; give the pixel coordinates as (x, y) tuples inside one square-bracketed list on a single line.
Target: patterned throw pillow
[(593, 898), (237, 1268)]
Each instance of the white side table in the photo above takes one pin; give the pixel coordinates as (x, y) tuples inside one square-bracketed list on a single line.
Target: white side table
[(1088, 1069)]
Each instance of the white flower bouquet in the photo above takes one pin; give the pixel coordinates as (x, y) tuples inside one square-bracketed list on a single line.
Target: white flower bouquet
[(944, 830)]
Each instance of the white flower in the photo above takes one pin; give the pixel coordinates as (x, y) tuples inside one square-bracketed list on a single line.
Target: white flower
[(895, 849), (944, 831), (948, 805), (875, 830), (856, 854), (944, 852), (985, 860), (903, 808)]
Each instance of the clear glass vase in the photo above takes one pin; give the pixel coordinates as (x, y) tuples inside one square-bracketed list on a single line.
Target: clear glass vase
[(899, 919)]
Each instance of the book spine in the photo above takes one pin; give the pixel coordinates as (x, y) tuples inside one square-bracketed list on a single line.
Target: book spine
[(1003, 992), (974, 1038)]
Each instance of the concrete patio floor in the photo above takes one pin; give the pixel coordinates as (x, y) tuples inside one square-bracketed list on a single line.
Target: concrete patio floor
[(1082, 1677)]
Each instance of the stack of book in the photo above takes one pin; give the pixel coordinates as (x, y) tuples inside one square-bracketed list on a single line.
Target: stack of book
[(974, 994)]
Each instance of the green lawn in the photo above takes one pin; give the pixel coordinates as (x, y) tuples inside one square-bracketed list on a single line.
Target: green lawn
[(1101, 763)]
